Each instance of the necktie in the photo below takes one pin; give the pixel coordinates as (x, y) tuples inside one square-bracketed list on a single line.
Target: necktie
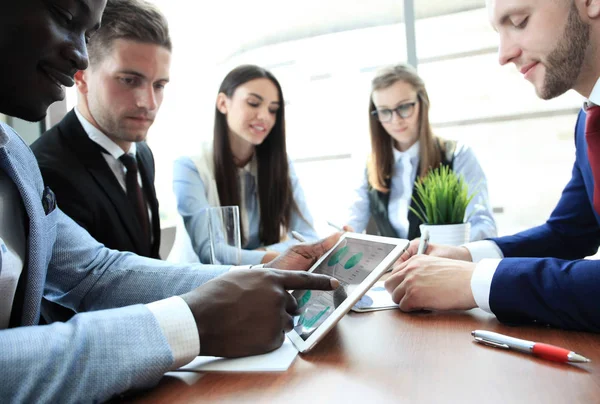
[(134, 193)]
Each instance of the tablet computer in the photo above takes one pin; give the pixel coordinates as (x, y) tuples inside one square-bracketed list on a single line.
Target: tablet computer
[(357, 261)]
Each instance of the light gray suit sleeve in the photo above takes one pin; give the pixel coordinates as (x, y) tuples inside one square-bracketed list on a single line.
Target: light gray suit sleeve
[(91, 358), (96, 354), (84, 275)]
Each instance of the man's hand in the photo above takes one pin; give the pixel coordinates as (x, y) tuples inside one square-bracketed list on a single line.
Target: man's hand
[(436, 250), (303, 256), (430, 283), (247, 312)]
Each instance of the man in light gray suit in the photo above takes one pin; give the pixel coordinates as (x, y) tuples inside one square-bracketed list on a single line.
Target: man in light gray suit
[(138, 318)]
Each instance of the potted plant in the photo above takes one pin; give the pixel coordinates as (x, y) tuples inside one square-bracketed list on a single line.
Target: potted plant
[(441, 201)]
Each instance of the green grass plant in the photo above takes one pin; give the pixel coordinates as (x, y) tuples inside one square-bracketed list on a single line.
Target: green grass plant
[(444, 197)]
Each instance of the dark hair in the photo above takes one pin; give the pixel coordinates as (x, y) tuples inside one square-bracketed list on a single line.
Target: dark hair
[(135, 20), (275, 196), (381, 162)]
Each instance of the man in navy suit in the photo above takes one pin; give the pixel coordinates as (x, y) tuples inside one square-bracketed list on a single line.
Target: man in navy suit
[(137, 317), (555, 45)]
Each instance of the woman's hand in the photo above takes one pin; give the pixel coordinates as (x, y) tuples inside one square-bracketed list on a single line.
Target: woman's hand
[(269, 256), (301, 257)]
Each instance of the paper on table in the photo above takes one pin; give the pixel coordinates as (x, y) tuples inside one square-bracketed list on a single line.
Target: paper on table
[(277, 361), (376, 298)]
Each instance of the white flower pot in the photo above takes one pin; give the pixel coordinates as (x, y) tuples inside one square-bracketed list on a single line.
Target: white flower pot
[(448, 234)]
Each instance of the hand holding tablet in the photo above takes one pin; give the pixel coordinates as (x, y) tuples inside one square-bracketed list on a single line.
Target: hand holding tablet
[(357, 261)]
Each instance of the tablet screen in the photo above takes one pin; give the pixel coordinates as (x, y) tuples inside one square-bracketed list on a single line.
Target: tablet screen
[(350, 263)]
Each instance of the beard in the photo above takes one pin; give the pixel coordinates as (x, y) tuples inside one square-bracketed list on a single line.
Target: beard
[(565, 62)]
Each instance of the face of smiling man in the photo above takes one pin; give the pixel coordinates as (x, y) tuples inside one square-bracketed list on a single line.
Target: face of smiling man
[(43, 44), (547, 40)]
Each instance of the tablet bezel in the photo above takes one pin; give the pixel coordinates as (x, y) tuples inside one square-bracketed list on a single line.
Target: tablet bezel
[(401, 246)]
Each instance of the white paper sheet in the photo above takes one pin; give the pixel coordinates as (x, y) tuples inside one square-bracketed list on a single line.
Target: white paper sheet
[(376, 298), (277, 361)]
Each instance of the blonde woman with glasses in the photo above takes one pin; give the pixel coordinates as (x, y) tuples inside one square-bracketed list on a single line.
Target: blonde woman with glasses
[(403, 148)]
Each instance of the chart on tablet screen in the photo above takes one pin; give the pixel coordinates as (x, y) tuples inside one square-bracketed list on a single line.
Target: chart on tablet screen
[(351, 262)]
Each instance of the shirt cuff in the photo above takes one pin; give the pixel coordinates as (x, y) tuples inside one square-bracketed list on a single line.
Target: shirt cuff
[(238, 267), (179, 327), (481, 282), (483, 249)]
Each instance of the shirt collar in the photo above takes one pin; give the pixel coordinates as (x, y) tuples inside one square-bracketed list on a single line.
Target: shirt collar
[(411, 153), (594, 96), (100, 138)]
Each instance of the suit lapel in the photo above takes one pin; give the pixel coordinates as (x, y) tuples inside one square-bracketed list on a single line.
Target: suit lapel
[(30, 288), (90, 155)]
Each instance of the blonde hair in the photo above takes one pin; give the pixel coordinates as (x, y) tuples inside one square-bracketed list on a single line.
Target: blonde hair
[(381, 160)]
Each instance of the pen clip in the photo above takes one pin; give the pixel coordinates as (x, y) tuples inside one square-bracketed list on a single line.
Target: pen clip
[(491, 343)]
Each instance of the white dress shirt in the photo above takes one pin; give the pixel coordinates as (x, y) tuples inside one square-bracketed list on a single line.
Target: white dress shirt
[(12, 245), (405, 169), (481, 281)]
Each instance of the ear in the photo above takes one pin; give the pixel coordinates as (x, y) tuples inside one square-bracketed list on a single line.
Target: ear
[(222, 103), (81, 81), (592, 9)]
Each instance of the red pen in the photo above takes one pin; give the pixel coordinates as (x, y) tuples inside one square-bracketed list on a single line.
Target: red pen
[(544, 351)]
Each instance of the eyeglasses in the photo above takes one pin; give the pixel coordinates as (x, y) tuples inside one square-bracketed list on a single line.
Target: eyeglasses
[(403, 111)]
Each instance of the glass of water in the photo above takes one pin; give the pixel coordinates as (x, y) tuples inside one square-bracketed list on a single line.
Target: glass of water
[(224, 234)]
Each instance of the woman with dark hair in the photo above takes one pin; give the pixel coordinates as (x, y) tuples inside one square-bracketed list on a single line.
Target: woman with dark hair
[(404, 148), (247, 166)]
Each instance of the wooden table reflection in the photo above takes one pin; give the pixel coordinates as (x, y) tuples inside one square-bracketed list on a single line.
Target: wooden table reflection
[(390, 356)]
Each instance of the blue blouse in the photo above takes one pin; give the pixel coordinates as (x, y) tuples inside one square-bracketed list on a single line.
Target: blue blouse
[(403, 179), (191, 194)]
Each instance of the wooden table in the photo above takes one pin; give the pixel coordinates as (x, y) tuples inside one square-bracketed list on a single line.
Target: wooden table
[(392, 357)]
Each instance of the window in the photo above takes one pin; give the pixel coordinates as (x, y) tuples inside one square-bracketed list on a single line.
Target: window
[(525, 145)]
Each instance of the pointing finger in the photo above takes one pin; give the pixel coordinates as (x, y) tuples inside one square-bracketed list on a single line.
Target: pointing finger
[(307, 281)]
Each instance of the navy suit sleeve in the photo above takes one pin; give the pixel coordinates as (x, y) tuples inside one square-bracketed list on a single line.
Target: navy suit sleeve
[(561, 293), (553, 289), (572, 231)]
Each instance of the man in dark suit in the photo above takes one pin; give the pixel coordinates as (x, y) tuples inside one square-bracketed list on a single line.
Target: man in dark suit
[(554, 45), (96, 159)]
